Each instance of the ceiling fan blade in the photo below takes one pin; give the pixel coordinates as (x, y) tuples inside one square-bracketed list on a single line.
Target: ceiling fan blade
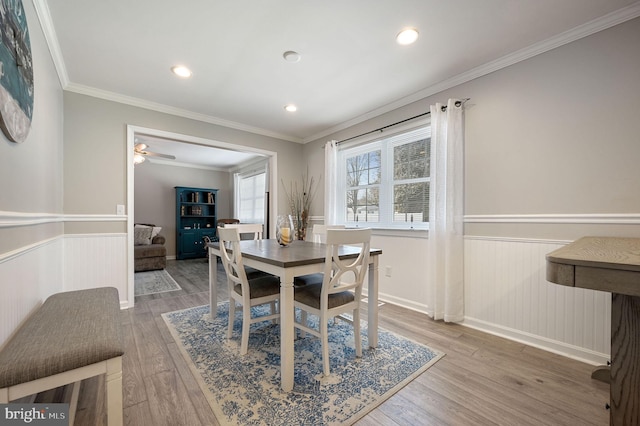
[(156, 154)]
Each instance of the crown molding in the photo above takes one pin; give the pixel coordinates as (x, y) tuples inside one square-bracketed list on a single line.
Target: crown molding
[(179, 112), (46, 23), (44, 17), (599, 24), (602, 23)]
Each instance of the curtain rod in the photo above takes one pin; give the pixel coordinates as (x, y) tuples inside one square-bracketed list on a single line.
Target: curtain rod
[(444, 108)]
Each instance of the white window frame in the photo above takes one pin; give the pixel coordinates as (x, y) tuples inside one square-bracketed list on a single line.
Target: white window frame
[(386, 145), (238, 177)]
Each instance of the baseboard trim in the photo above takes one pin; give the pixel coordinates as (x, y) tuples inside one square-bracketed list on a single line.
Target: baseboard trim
[(560, 348), (549, 345), (405, 303)]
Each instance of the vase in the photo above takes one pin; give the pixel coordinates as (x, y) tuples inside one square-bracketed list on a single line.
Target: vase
[(284, 230)]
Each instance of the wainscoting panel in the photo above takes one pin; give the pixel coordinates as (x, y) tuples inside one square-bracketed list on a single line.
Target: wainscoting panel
[(29, 276), (96, 260), (506, 293)]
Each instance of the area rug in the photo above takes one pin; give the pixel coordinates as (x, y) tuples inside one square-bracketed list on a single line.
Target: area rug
[(150, 282), (246, 390)]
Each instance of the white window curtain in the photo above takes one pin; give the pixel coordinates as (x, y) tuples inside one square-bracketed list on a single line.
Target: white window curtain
[(330, 182), (445, 290)]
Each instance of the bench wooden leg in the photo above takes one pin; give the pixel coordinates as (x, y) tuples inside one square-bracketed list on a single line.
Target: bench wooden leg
[(74, 390), (113, 381)]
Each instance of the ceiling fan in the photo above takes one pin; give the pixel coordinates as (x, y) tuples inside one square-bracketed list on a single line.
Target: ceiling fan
[(140, 152)]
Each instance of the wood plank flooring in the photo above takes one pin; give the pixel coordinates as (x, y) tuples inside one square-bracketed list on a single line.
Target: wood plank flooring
[(482, 380)]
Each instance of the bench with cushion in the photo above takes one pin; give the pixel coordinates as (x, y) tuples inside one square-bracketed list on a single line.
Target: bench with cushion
[(73, 336)]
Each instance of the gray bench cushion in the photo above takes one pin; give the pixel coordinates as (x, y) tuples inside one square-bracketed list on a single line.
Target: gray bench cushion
[(70, 330)]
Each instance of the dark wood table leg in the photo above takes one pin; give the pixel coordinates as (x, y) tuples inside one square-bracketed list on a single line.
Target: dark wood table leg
[(625, 360)]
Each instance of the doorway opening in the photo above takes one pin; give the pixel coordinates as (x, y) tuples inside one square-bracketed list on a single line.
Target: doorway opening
[(229, 157)]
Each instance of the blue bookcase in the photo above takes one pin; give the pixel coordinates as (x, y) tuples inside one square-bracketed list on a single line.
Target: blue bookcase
[(196, 217)]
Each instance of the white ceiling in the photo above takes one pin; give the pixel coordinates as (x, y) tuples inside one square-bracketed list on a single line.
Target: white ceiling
[(194, 155), (351, 66)]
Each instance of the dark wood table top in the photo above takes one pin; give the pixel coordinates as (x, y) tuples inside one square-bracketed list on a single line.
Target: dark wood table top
[(600, 263), (295, 254), (603, 252)]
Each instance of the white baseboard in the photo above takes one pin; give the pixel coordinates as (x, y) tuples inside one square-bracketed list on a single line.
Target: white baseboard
[(543, 343), (560, 348)]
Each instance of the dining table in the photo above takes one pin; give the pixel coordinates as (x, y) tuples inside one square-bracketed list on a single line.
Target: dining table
[(296, 259)]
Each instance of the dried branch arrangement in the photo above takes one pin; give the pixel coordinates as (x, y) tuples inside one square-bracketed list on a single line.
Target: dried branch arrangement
[(300, 198)]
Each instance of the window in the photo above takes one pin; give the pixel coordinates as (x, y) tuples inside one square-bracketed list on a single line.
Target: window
[(250, 191), (385, 183)]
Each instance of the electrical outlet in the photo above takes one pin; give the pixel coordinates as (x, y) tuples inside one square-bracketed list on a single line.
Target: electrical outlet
[(387, 271), (120, 209)]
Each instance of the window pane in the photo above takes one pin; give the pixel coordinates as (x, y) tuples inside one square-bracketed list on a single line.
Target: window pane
[(410, 161), (374, 175), (368, 206), (251, 198), (363, 169), (411, 202), (388, 196), (352, 204), (374, 167), (356, 167)]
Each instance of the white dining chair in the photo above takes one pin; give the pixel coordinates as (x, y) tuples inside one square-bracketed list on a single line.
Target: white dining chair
[(319, 236), (340, 291), (255, 230), (248, 292), (248, 228)]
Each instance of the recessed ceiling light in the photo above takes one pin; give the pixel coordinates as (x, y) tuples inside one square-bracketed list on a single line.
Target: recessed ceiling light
[(407, 36), (291, 108), (181, 71), (291, 56)]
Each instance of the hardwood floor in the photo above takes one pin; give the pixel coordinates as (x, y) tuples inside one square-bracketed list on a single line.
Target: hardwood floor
[(482, 380)]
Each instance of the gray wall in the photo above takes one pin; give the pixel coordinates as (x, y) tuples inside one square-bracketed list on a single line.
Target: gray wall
[(31, 204), (31, 172), (555, 134), (95, 172), (155, 194)]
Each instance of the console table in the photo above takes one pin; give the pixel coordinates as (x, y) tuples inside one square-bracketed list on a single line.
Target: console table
[(613, 265)]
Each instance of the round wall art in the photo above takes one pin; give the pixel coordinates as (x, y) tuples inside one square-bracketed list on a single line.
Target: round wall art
[(16, 71)]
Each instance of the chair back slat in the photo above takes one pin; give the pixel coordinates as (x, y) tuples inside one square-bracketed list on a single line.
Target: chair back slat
[(232, 259), (346, 274), (247, 228)]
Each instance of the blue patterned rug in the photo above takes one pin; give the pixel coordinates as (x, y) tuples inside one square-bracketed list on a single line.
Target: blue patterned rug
[(246, 390), (150, 282)]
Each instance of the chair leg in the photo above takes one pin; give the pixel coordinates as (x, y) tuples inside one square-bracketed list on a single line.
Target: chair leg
[(232, 314), (356, 332), (246, 325), (324, 332)]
